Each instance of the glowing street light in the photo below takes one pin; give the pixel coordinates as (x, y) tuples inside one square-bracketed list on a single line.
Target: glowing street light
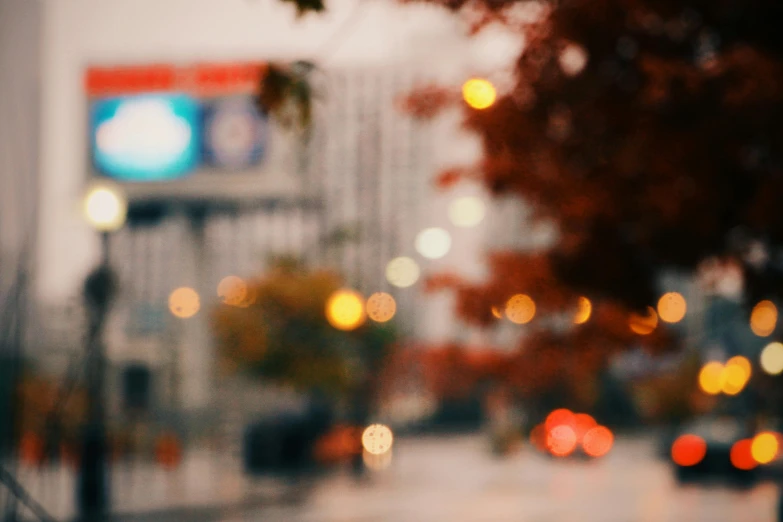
[(479, 93), (466, 211), (772, 358), (433, 243), (105, 208), (345, 310)]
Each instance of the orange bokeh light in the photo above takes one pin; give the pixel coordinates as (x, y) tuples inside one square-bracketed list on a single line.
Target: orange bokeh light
[(582, 423), (764, 318), (381, 307), (672, 307), (583, 311), (538, 437), (688, 450), (742, 456), (559, 417), (598, 441), (561, 440), (643, 325), (184, 302), (520, 309)]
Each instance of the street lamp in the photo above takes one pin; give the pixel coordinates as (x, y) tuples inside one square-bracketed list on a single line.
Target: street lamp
[(105, 209)]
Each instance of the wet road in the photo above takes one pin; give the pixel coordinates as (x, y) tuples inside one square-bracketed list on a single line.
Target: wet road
[(455, 480), (431, 480)]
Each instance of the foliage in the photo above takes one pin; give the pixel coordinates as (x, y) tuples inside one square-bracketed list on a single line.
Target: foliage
[(649, 132), (281, 333), (286, 92)]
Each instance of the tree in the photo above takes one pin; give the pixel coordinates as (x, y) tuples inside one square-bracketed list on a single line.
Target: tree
[(649, 133), (275, 327)]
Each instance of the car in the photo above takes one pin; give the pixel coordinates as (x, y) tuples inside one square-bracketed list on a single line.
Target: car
[(714, 448)]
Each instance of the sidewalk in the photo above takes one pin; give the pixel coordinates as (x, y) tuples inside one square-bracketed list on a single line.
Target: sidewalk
[(204, 482)]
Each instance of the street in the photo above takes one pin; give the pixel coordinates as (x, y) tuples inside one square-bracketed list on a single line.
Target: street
[(432, 479), (456, 480)]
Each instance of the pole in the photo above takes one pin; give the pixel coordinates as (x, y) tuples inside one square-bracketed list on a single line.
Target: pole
[(93, 485)]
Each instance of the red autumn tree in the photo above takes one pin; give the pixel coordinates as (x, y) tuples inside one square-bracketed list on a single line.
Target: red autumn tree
[(650, 133)]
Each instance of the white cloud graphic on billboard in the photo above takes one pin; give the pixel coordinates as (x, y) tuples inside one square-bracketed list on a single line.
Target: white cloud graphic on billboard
[(145, 134)]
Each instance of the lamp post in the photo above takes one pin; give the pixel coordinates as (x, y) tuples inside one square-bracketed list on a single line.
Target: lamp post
[(105, 210)]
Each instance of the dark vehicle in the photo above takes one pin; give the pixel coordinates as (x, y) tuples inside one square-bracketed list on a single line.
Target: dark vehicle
[(285, 443), (713, 448)]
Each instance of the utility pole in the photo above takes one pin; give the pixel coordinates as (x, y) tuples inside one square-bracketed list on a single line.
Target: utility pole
[(93, 494), (105, 209)]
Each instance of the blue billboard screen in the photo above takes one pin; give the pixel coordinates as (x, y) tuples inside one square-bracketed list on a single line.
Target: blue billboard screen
[(146, 138)]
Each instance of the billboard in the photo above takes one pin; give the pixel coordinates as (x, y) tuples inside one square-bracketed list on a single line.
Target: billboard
[(188, 132)]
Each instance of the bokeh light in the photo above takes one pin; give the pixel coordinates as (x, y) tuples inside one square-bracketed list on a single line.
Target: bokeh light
[(377, 462), (561, 440), (598, 441), (105, 208), (741, 455), (479, 93), (711, 378), (433, 243), (538, 436), (381, 307), (377, 439), (583, 423), (496, 312), (643, 325), (402, 272), (559, 417), (771, 359), (688, 450), (232, 290), (736, 374), (672, 307), (467, 211), (573, 59), (764, 318), (251, 296), (764, 448), (345, 310), (583, 311), (520, 309), (184, 302)]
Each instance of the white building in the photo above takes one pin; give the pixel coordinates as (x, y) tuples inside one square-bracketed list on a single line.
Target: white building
[(372, 50)]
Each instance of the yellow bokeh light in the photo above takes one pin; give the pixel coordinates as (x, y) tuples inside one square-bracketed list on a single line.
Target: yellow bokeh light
[(381, 307), (402, 272), (743, 364), (466, 211), (764, 318), (105, 208), (672, 307), (479, 93), (583, 311), (711, 378), (520, 309), (433, 243), (764, 448), (232, 290), (496, 312), (345, 310), (377, 462), (184, 302), (643, 325), (735, 377), (771, 359), (377, 439)]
